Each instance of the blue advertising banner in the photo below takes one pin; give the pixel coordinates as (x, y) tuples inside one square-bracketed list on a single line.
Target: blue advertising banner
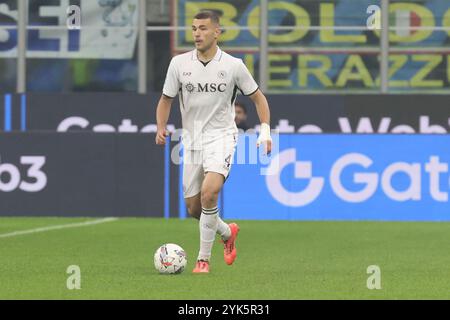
[(343, 177)]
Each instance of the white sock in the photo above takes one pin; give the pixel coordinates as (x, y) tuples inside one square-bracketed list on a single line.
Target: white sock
[(208, 228), (223, 229)]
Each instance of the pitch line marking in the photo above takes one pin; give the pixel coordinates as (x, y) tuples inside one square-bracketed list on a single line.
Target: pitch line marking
[(57, 227)]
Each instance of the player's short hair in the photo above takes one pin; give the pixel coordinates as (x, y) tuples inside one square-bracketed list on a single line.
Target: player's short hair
[(208, 14)]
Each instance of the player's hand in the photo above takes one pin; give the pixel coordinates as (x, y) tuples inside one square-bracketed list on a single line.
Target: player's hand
[(161, 136), (268, 145), (265, 138)]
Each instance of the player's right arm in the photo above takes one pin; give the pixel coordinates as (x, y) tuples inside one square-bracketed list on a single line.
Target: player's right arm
[(170, 90), (162, 116)]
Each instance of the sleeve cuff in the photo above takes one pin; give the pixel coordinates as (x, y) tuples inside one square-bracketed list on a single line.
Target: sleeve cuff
[(247, 95), (167, 96)]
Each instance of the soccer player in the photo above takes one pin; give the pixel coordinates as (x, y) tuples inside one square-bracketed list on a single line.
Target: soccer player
[(207, 80)]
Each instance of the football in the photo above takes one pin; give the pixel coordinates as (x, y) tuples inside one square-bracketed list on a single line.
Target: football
[(170, 259)]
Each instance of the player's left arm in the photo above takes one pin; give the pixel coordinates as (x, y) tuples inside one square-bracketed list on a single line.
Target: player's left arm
[(262, 108)]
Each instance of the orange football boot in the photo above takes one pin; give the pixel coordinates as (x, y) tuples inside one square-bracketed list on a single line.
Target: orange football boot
[(201, 266), (229, 250)]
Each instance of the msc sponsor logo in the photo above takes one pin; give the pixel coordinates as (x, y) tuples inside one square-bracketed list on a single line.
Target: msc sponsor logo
[(206, 87), (368, 179)]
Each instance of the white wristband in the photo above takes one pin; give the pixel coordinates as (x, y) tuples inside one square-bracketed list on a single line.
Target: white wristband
[(264, 134)]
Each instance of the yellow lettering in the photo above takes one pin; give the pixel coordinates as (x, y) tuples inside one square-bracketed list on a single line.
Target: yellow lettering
[(448, 68), (249, 60), (361, 74), (301, 19), (433, 60), (327, 20), (229, 13), (279, 70), (320, 72), (426, 20), (398, 61), (446, 21)]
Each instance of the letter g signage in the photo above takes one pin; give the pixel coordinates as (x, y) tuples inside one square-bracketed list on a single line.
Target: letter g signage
[(303, 170)]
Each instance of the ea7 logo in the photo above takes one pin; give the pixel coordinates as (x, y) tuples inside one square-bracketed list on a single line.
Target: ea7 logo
[(11, 179)]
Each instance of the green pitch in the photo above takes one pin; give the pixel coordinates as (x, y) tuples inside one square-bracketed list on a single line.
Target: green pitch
[(276, 260)]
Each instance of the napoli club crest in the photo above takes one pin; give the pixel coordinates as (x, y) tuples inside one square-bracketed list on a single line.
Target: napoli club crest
[(222, 74)]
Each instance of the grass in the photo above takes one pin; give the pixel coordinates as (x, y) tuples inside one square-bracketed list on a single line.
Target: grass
[(276, 260)]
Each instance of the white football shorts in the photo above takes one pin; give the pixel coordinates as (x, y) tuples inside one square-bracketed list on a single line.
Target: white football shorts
[(216, 156)]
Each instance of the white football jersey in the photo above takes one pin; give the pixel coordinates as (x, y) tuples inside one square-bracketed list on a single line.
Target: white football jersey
[(207, 92)]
